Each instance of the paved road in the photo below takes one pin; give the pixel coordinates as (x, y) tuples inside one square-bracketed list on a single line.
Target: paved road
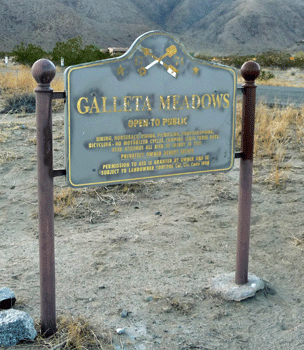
[(281, 95)]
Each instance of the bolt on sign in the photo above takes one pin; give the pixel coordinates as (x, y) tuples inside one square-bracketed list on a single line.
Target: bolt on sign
[(152, 113)]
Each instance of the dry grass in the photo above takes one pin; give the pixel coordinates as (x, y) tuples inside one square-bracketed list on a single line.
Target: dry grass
[(279, 82), (83, 203), (185, 308), (8, 156), (64, 198), (72, 334), (277, 132), (298, 241), (22, 81), (20, 84), (76, 333)]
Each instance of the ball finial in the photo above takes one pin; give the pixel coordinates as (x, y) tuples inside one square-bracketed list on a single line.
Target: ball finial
[(43, 71), (250, 70)]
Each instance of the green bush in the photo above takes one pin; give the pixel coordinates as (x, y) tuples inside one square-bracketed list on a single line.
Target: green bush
[(279, 59), (73, 53), (91, 53), (272, 58), (28, 55), (266, 75), (203, 56), (3, 54), (235, 60), (69, 50)]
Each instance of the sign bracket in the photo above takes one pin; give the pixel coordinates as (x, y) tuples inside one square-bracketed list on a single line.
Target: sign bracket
[(242, 89), (59, 95), (59, 172)]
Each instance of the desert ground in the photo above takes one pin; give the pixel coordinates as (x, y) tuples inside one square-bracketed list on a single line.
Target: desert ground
[(140, 257)]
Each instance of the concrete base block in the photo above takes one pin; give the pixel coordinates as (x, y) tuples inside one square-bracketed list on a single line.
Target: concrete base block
[(225, 286)]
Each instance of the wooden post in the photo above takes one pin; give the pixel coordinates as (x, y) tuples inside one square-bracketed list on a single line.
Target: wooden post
[(250, 71), (44, 71)]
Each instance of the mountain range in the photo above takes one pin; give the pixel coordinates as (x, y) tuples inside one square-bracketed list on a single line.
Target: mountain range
[(209, 26)]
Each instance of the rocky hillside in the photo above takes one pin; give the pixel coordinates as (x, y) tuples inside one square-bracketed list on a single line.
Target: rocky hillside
[(212, 26)]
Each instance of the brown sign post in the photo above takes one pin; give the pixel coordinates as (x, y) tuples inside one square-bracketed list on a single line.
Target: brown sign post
[(250, 71), (44, 71)]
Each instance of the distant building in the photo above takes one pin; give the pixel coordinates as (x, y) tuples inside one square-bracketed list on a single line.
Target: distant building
[(116, 50)]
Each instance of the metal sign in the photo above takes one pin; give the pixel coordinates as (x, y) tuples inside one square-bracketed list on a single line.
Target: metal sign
[(154, 112)]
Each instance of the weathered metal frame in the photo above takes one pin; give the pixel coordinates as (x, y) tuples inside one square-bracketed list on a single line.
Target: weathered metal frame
[(250, 71), (44, 71)]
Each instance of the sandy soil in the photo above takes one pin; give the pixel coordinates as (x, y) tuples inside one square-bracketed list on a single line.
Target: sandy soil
[(151, 249)]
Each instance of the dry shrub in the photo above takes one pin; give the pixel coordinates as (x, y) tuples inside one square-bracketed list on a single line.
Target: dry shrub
[(22, 81), (74, 333), (116, 194), (19, 103), (279, 171), (275, 128), (8, 156), (64, 198), (298, 241), (277, 131), (279, 82), (85, 202), (80, 335), (182, 307), (17, 89)]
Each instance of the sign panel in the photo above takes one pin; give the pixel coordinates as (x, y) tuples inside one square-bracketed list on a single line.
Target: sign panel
[(154, 112)]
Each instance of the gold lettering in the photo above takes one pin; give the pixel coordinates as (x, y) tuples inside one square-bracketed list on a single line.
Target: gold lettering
[(203, 101), (115, 104), (115, 165), (133, 123), (185, 151), (226, 99), (100, 144), (147, 104), (163, 103), (117, 149), (137, 102), (94, 106), (109, 172), (175, 102), (198, 102), (185, 103), (131, 155), (104, 105), (217, 99), (104, 138), (175, 121), (127, 104), (154, 154), (86, 108)]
